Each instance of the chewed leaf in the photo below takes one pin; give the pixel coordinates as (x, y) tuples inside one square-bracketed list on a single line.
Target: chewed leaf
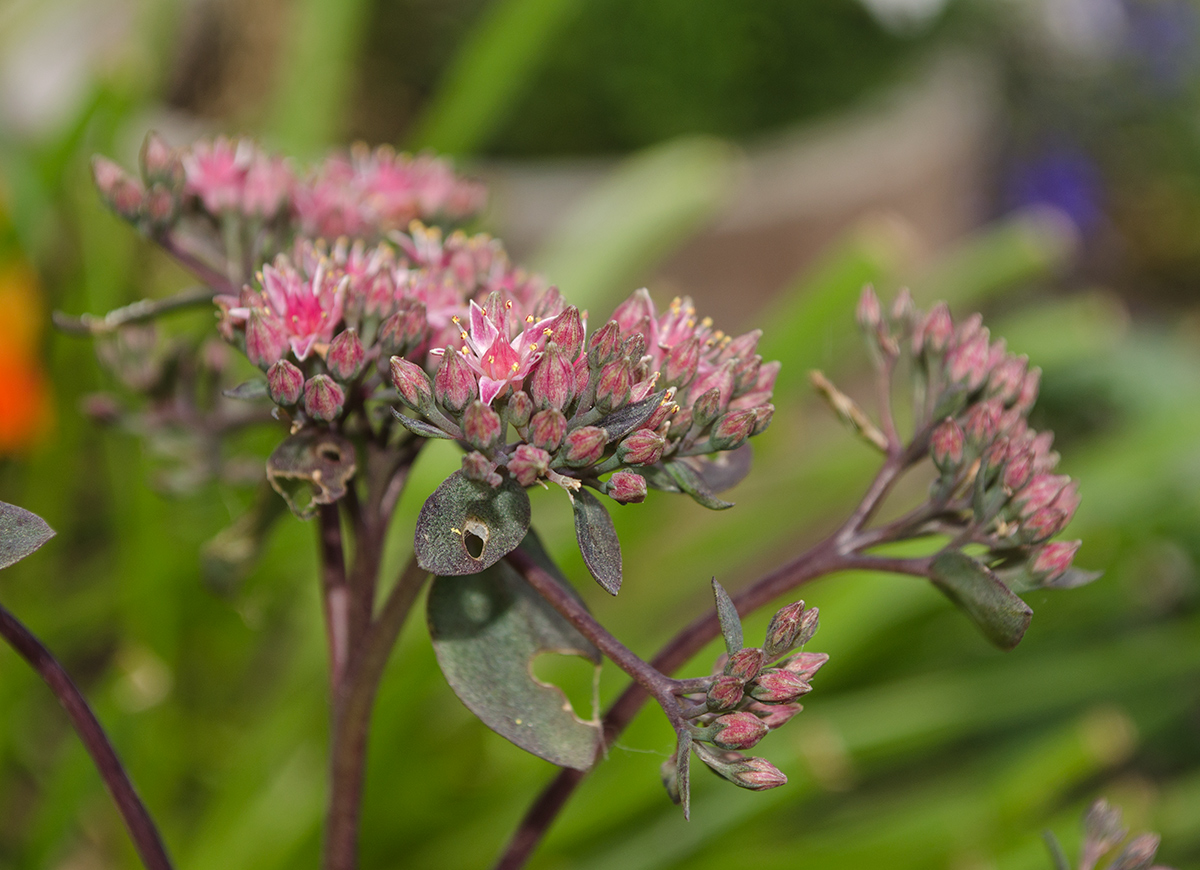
[(487, 629), (21, 532), (467, 526), (731, 623), (311, 468), (722, 471), (1000, 615), (597, 540), (620, 423), (689, 481)]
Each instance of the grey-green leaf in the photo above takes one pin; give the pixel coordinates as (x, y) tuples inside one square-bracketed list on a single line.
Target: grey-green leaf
[(725, 470), (467, 526), (419, 427), (487, 629), (249, 391), (999, 614), (731, 623), (21, 532), (597, 540), (620, 423), (690, 482)]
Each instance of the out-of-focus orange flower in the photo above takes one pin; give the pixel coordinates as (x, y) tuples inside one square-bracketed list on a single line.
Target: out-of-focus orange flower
[(26, 413)]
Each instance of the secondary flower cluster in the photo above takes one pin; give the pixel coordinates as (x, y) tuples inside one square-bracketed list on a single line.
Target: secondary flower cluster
[(996, 485), (643, 392), (226, 183)]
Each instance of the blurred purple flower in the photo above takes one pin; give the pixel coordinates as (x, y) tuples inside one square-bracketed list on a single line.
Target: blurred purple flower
[(1061, 176)]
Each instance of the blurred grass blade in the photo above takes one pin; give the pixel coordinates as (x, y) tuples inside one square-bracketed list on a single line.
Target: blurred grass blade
[(631, 219), (489, 72), (315, 74)]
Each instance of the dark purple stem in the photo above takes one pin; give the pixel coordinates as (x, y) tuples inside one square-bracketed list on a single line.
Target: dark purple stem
[(335, 592), (141, 827)]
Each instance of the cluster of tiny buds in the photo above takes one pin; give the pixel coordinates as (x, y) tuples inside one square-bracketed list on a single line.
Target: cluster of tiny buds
[(755, 691), (584, 407), (996, 480)]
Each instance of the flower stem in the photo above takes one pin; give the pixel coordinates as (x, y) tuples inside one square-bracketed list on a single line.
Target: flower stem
[(142, 830)]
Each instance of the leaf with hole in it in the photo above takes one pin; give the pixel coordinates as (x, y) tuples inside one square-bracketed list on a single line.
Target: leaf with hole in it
[(721, 471), (999, 614), (311, 468), (620, 423), (487, 629), (689, 481), (21, 532), (598, 541), (731, 623), (467, 526)]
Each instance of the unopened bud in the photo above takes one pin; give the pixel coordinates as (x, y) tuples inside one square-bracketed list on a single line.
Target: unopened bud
[(119, 190), (454, 384), (626, 487), (584, 446), (476, 466), (266, 342), (1018, 470), (481, 425), (285, 383), (776, 686), (345, 355), (404, 330), (680, 364), (745, 663), (323, 398), (1007, 378), (1138, 854), (805, 664), (725, 693), (613, 385), (1029, 390), (1041, 491), (946, 445), (775, 716), (552, 382), (763, 415), (1043, 524), (566, 330), (968, 363), (519, 408), (756, 774), (547, 429), (732, 429), (738, 731), (706, 409), (412, 383), (160, 163), (604, 344), (982, 422), (868, 313), (939, 329), (160, 207), (781, 633), (642, 447), (1053, 559), (528, 463)]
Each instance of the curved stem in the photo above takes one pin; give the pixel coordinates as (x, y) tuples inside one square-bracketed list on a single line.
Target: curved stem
[(137, 312), (335, 593), (142, 830)]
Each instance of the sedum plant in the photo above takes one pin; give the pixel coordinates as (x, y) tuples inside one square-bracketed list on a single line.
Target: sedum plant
[(375, 325)]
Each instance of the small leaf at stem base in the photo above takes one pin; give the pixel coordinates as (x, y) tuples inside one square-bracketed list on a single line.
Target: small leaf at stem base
[(597, 540), (21, 532), (311, 468), (689, 481), (731, 623), (999, 614), (466, 526), (487, 629)]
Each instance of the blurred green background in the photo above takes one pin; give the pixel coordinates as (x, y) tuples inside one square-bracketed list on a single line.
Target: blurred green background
[(1037, 159)]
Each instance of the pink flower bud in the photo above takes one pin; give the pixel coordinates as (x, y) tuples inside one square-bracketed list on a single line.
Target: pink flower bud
[(547, 429), (481, 425), (266, 341), (946, 445), (119, 190), (982, 422), (404, 330), (732, 429), (763, 414), (706, 409), (412, 383), (781, 633), (1053, 559), (680, 364), (528, 463), (1007, 378), (868, 313), (805, 664), (633, 311), (1018, 470), (345, 355), (1043, 524), (664, 410), (938, 329), (720, 379), (642, 447), (160, 163), (738, 731), (613, 385), (1041, 491), (552, 382), (454, 385), (584, 446), (777, 686), (285, 382), (476, 466), (775, 716), (604, 345), (626, 487), (968, 363), (745, 663), (756, 774), (1029, 390), (519, 407), (323, 398), (566, 330), (725, 693)]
